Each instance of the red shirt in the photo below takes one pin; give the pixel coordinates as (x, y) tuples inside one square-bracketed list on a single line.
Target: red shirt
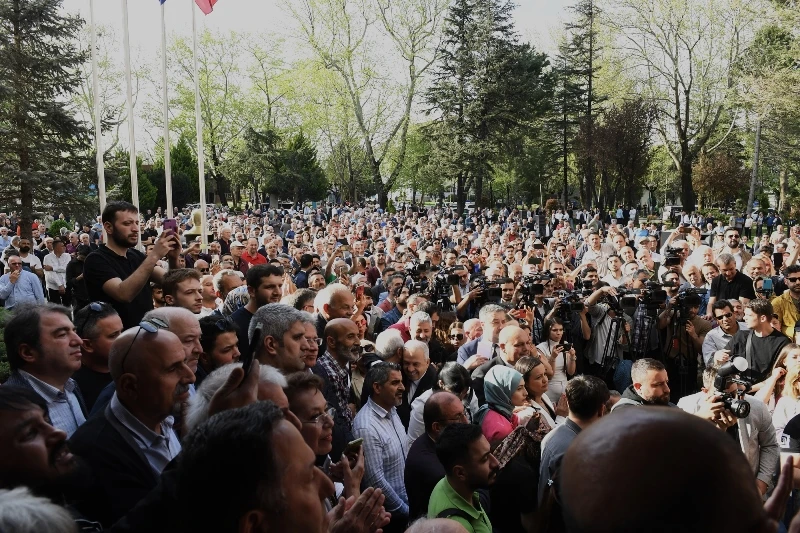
[(257, 259)]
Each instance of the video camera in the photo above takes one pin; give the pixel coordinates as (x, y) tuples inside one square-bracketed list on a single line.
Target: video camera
[(672, 257), (652, 296), (531, 286), (416, 274), (491, 290), (727, 374)]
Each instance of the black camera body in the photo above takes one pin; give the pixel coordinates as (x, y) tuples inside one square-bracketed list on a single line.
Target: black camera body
[(492, 293), (735, 402), (672, 257)]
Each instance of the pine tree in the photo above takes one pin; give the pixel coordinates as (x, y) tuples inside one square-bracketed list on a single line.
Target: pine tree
[(43, 147), (487, 91)]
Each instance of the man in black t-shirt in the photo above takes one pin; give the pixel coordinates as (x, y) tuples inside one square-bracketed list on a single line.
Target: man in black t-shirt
[(119, 274), (765, 342), (98, 325), (730, 284)]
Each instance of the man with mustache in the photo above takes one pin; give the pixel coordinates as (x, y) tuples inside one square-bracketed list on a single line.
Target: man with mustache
[(43, 353), (129, 443), (469, 464)]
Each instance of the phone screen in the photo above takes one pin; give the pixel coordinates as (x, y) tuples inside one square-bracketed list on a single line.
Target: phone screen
[(170, 224)]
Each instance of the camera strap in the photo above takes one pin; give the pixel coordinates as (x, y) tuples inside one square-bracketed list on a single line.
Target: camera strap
[(748, 350)]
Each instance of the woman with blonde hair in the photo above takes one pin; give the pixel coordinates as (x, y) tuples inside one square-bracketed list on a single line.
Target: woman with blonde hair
[(789, 404), (772, 391)]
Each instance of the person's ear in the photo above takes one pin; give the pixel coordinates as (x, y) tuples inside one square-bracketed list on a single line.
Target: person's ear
[(87, 346), (128, 386), (169, 299), (270, 345), (27, 353), (254, 521), (460, 472)]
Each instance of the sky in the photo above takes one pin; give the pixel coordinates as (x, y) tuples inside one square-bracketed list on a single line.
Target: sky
[(536, 22)]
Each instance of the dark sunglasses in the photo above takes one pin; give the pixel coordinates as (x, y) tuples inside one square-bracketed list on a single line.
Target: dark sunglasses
[(457, 336), (94, 307), (150, 326), (726, 315)]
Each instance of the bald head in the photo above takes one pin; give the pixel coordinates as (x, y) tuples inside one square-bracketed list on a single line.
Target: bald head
[(339, 327), (513, 341), (436, 525), (146, 347), (668, 460), (440, 407)]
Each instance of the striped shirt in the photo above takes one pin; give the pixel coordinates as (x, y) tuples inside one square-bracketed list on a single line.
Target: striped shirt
[(385, 449), (63, 407)]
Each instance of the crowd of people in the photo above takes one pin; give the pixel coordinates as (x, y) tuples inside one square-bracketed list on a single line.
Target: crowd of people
[(342, 368)]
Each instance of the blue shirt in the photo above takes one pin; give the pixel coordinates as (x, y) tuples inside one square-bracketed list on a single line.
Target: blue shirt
[(63, 407), (28, 288)]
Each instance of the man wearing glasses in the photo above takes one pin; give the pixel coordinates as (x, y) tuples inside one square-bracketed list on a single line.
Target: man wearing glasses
[(132, 440), (20, 286), (787, 305), (718, 338), (734, 247)]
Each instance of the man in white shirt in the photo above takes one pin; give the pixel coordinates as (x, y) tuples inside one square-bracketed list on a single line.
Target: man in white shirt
[(598, 252), (614, 276), (29, 259), (55, 267)]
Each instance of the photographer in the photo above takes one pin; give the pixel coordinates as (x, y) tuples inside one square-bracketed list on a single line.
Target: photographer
[(603, 309), (685, 333), (755, 433)]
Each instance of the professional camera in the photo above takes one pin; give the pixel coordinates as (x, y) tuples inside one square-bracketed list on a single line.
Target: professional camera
[(727, 374), (491, 290), (673, 257), (652, 296), (531, 286)]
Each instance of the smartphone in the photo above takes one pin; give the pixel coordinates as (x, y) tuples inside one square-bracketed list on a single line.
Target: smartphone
[(777, 261), (359, 292), (170, 224), (685, 229), (215, 257), (535, 261), (538, 246), (767, 286), (353, 446), (247, 359), (567, 346)]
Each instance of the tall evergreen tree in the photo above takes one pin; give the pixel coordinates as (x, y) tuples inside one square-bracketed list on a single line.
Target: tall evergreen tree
[(43, 146), (487, 91)]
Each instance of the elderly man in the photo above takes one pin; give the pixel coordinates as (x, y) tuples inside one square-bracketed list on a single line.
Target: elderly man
[(44, 352), (334, 301), (19, 286), (480, 350), (419, 375), (130, 442), (227, 280)]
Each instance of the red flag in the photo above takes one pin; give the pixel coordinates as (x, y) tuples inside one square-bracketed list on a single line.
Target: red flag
[(206, 6)]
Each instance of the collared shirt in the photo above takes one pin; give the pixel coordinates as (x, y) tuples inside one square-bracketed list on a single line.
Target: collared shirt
[(5, 242), (58, 276), (385, 449), (28, 288), (339, 378), (445, 497), (413, 387), (158, 449), (716, 339), (63, 407), (787, 309)]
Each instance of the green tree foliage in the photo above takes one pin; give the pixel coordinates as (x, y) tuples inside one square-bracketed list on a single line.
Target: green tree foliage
[(185, 187), (348, 170), (720, 178), (487, 92), (118, 181), (43, 146)]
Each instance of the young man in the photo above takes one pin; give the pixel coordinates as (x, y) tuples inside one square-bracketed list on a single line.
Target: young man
[(98, 325), (264, 284), (55, 275), (469, 465), (182, 289), (119, 274)]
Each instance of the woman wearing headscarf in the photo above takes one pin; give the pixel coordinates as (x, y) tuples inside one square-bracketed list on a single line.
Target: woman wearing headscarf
[(505, 391)]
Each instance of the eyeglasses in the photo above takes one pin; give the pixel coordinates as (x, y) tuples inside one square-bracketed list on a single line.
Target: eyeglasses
[(457, 336), (460, 417), (793, 280), (319, 420), (314, 340), (150, 326), (204, 270), (726, 315), (733, 236), (94, 307)]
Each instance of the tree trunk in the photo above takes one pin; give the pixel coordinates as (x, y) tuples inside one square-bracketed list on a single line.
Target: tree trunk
[(461, 196), (783, 182), (754, 176), (688, 198)]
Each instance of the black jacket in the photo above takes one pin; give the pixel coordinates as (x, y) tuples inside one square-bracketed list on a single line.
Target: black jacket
[(426, 382), (423, 471), (631, 397), (122, 474)]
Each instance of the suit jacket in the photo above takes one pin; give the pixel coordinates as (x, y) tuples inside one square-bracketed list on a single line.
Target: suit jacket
[(757, 436), (426, 382), (320, 324), (479, 373), (121, 473), (15, 379)]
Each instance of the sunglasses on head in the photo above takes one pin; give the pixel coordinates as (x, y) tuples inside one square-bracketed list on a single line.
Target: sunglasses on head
[(150, 326), (94, 307)]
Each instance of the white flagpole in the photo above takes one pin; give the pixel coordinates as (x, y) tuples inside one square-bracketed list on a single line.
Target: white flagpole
[(129, 83), (167, 161), (201, 171), (98, 130)]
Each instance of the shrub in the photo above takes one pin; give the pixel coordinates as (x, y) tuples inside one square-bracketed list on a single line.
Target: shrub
[(55, 227)]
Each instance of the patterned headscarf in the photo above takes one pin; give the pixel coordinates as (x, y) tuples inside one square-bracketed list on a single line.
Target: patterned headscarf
[(235, 300)]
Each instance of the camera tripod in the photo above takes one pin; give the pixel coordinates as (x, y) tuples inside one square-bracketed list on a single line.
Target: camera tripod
[(682, 368), (610, 360)]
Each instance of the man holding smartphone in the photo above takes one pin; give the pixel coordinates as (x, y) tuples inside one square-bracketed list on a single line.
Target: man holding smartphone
[(119, 274)]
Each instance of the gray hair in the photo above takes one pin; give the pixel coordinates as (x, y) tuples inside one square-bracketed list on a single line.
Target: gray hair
[(486, 312), (388, 342), (420, 317), (324, 296), (221, 274), (641, 367), (168, 314), (197, 410), (276, 319), (22, 512), (725, 259), (413, 345)]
